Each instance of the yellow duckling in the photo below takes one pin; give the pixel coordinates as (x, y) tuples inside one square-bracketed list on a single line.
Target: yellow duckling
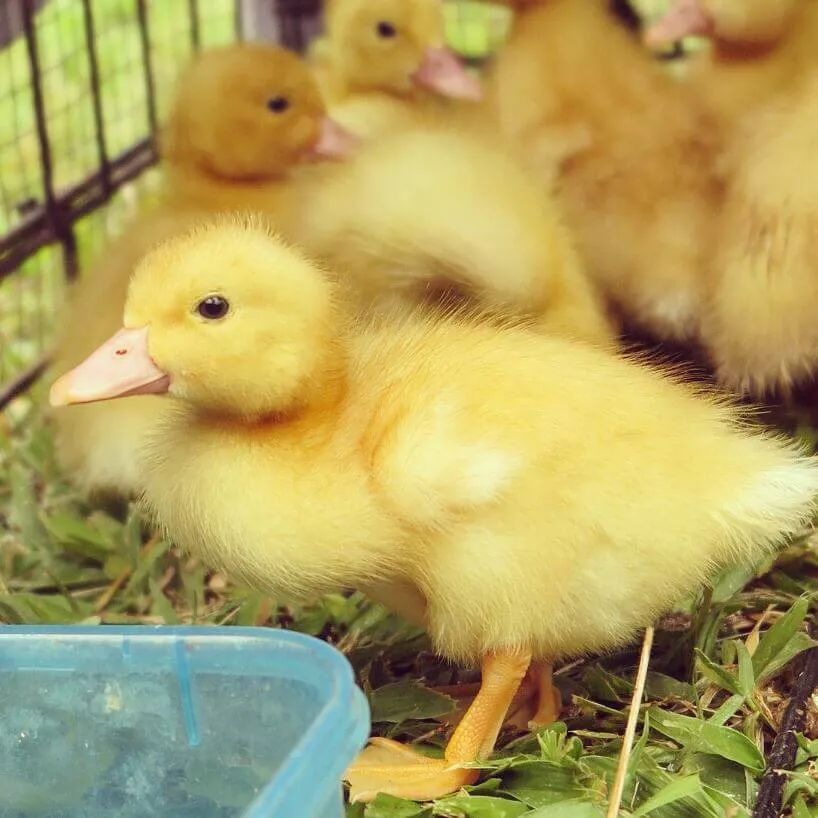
[(414, 212), (631, 150), (243, 117), (761, 79), (384, 65), (760, 326), (471, 465)]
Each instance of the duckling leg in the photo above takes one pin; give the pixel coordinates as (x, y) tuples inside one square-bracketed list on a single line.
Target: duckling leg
[(469, 690), (519, 712), (389, 767), (537, 702), (549, 701)]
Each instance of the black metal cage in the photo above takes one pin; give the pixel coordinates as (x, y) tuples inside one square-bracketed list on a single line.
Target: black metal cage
[(83, 84)]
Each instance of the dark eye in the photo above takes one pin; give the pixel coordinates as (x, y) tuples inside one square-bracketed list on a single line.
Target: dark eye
[(386, 29), (213, 307), (278, 104)]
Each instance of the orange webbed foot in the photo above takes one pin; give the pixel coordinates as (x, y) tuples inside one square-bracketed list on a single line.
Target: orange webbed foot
[(389, 767)]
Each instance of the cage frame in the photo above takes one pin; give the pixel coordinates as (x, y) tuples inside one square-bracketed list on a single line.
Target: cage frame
[(52, 219)]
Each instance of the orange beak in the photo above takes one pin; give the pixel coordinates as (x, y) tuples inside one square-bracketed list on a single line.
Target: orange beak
[(685, 18), (118, 368), (334, 141), (442, 72)]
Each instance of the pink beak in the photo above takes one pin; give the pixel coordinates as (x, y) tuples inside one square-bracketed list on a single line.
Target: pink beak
[(685, 18), (442, 72), (334, 141), (118, 368)]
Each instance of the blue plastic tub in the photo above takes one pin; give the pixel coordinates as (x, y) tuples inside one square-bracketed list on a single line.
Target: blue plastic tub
[(174, 721)]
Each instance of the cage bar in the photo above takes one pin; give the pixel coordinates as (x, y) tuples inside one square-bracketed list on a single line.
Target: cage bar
[(147, 62), (99, 121), (60, 227)]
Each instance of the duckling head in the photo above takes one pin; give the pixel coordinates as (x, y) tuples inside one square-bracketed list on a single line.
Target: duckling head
[(395, 45), (740, 23), (250, 111), (226, 317)]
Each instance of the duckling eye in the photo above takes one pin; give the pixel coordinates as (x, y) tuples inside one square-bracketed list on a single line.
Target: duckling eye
[(386, 29), (213, 307), (278, 104)]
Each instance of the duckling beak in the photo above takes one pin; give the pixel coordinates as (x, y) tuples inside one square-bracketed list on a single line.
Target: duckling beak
[(118, 368), (334, 141), (442, 72), (685, 18)]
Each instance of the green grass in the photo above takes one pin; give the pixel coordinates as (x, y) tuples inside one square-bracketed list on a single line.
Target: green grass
[(720, 672), (710, 711)]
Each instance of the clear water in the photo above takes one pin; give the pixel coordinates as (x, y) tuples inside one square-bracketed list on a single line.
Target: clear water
[(75, 745)]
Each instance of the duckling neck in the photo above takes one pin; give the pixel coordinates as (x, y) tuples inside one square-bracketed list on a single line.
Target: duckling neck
[(315, 401), (190, 183)]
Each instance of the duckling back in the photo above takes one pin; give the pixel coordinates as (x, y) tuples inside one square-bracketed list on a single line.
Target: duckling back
[(434, 205), (565, 497)]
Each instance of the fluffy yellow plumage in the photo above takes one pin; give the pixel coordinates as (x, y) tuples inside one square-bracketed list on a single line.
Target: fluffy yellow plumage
[(759, 81), (223, 148), (434, 207), (538, 497), (583, 103)]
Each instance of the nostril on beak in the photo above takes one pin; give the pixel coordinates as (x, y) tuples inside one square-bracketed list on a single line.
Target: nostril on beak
[(121, 351)]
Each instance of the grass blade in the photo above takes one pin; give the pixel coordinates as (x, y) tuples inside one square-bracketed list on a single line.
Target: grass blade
[(779, 635), (401, 701), (676, 790), (716, 673), (705, 737)]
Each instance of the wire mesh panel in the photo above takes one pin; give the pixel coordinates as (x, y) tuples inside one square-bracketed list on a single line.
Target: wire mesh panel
[(84, 85)]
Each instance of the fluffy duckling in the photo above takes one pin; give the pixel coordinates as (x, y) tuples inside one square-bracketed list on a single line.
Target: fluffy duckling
[(578, 96), (760, 326), (757, 49), (433, 210), (470, 462), (759, 78), (243, 117), (96, 445), (384, 65)]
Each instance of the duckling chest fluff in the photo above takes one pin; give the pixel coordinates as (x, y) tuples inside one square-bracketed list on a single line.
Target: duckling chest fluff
[(304, 522)]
